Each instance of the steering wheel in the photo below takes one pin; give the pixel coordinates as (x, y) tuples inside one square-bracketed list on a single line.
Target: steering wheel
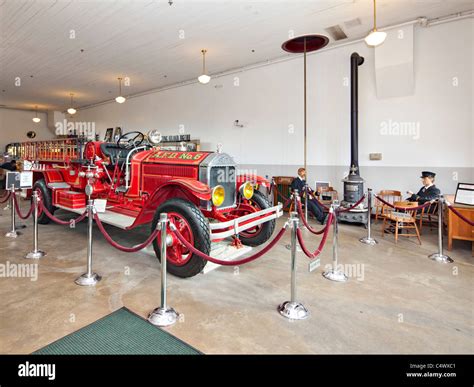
[(130, 140)]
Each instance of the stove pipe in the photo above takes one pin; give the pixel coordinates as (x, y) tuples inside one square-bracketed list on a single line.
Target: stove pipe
[(356, 61)]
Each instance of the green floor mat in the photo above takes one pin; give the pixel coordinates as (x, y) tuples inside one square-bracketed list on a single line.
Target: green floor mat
[(120, 333)]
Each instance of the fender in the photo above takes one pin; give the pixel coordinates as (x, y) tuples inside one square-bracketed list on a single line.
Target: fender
[(191, 190)]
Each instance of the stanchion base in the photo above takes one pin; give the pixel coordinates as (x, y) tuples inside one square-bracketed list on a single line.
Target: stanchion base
[(293, 310), (88, 280), (35, 254), (163, 317), (368, 241), (298, 248), (440, 258), (12, 234), (337, 275)]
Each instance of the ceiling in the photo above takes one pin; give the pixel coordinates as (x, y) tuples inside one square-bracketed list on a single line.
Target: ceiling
[(64, 46)]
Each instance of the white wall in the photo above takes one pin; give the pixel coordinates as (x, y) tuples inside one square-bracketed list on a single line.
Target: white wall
[(14, 124), (269, 99)]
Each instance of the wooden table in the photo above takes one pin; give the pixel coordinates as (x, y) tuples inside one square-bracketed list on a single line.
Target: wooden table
[(457, 228)]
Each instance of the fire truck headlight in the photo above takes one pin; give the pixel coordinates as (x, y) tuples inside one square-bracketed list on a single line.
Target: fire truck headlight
[(246, 190), (218, 195), (154, 136)]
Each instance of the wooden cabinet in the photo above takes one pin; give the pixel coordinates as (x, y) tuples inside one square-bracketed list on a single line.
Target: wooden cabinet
[(457, 228)]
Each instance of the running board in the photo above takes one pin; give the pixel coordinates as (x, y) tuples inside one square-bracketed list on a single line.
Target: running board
[(108, 217)]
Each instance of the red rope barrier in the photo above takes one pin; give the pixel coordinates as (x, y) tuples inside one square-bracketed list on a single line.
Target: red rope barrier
[(311, 229), (17, 208), (60, 221), (318, 251), (403, 208), (351, 207), (456, 212), (311, 193), (5, 198), (253, 257), (126, 249)]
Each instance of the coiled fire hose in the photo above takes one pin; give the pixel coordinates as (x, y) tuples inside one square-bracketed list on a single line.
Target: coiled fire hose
[(320, 248), (5, 198), (80, 218), (306, 224), (403, 208), (120, 247), (253, 257), (18, 212), (456, 212)]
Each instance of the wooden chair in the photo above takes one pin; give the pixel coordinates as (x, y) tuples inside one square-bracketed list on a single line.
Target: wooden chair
[(398, 221), (327, 195), (283, 184), (428, 214), (390, 196)]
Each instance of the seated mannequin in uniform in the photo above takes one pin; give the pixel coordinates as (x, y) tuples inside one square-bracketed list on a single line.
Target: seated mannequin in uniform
[(426, 193), (313, 206)]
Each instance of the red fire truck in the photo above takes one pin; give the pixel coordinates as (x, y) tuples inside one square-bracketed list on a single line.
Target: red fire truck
[(201, 191)]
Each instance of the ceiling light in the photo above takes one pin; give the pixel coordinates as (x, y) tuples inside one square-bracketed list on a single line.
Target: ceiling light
[(204, 78), (71, 110), (36, 119), (375, 37), (120, 99)]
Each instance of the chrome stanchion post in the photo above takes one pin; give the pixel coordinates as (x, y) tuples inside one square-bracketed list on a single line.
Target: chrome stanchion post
[(292, 309), (306, 193), (164, 315), (368, 240), (13, 233), (334, 274), (439, 256), (35, 253), (89, 278), (296, 199)]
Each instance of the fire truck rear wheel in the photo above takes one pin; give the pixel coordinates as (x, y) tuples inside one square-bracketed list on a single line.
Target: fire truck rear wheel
[(267, 228), (46, 198), (197, 225)]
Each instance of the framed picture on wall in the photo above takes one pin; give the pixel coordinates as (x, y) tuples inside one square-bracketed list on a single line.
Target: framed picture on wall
[(108, 134)]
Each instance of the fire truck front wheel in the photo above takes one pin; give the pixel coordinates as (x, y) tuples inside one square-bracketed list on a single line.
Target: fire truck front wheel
[(45, 195), (192, 224)]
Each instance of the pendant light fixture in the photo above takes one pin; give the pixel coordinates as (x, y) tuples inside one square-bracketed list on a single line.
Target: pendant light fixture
[(71, 110), (36, 119), (120, 99), (204, 78), (375, 38)]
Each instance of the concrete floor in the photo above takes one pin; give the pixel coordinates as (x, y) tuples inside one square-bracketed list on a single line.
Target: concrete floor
[(403, 302)]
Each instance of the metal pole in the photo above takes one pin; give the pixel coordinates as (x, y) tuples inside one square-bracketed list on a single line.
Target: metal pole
[(12, 233), (305, 147), (89, 278), (306, 200), (439, 256), (334, 274), (164, 316), (296, 198), (292, 309), (35, 253), (368, 240)]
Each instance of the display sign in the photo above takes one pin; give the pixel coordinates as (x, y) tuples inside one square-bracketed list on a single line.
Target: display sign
[(13, 178), (465, 194), (314, 264), (26, 179), (100, 205)]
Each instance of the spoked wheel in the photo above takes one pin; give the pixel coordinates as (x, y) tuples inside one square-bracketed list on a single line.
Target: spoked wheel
[(259, 234), (192, 224)]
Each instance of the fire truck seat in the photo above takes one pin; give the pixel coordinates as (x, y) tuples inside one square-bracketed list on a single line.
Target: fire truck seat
[(114, 152)]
